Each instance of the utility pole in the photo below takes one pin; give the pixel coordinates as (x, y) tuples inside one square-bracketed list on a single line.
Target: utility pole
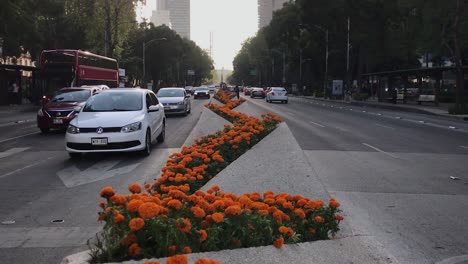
[(326, 64), (348, 77)]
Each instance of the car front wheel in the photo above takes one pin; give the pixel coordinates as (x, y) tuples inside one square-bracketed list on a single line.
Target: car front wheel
[(147, 150), (162, 135)]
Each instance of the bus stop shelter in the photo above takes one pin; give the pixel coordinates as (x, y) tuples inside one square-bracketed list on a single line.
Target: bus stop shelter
[(26, 77), (438, 83)]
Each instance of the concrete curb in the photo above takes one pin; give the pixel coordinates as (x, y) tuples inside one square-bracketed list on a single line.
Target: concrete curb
[(208, 123), (388, 107), (357, 249)]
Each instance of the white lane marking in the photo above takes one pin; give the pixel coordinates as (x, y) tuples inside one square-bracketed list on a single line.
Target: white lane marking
[(452, 127), (16, 122), (317, 124), (454, 260), (25, 167), (385, 126), (25, 135), (72, 176), (379, 150), (12, 151), (465, 147)]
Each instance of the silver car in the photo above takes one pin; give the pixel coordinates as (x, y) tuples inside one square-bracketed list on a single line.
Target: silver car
[(175, 100)]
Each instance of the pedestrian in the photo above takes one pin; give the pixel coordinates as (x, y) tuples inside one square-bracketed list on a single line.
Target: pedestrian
[(236, 90), (14, 92)]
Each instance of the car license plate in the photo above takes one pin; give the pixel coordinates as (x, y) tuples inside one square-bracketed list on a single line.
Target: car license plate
[(58, 121), (98, 141)]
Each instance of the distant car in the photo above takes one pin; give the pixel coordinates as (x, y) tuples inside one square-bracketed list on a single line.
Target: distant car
[(257, 92), (277, 94), (212, 89), (57, 112), (201, 92), (121, 119), (175, 100), (247, 90), (189, 89)]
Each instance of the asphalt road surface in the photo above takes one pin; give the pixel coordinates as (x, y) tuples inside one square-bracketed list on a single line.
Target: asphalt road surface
[(400, 177), (49, 202)]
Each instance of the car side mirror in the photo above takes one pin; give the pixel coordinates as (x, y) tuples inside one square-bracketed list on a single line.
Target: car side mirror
[(77, 109), (153, 108)]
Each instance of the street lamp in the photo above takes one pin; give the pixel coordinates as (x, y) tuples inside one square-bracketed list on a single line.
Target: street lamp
[(284, 65), (144, 53), (325, 31)]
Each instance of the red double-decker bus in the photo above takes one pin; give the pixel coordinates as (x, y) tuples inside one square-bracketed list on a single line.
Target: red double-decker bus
[(69, 68)]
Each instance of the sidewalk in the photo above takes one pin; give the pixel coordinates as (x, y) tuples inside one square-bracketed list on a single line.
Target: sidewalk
[(441, 110), (10, 114)]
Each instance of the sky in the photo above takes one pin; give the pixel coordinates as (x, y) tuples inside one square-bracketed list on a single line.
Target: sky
[(231, 21)]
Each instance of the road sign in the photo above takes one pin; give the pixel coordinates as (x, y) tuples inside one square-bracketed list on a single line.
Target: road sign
[(190, 72)]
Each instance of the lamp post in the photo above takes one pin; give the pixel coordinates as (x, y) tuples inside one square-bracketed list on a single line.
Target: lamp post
[(284, 65), (144, 54)]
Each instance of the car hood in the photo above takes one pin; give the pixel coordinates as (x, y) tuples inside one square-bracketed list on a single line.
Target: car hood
[(62, 105), (107, 119), (166, 100)]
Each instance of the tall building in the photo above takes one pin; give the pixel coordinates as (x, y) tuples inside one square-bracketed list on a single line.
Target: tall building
[(266, 9), (175, 14)]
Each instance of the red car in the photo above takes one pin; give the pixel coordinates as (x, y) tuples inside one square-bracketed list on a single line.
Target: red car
[(56, 113)]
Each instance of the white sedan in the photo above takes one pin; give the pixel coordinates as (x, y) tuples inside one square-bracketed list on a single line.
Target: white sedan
[(121, 119), (277, 94)]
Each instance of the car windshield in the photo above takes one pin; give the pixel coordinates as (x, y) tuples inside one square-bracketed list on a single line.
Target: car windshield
[(201, 89), (170, 93), (71, 96), (114, 102)]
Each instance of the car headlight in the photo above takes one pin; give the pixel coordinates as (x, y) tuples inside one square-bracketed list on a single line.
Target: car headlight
[(73, 129), (180, 103), (131, 128), (40, 112)]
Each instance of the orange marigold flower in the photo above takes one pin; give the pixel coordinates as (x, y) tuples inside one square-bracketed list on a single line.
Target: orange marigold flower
[(172, 249), (118, 199), (183, 225), (149, 210), (129, 239), (299, 212), (136, 224), (133, 205), (235, 147), (339, 217), (278, 243), (134, 250), (233, 210), (198, 212), (107, 192), (118, 218), (206, 160), (286, 231), (333, 203), (152, 262), (311, 230), (134, 188), (207, 261), (102, 205), (203, 235), (278, 215), (217, 217), (174, 203), (178, 259), (319, 219), (187, 250)]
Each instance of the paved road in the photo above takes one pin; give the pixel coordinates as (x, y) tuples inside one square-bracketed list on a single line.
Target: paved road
[(391, 171), (40, 184)]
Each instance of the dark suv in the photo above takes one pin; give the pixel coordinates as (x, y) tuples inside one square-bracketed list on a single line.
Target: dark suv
[(56, 113)]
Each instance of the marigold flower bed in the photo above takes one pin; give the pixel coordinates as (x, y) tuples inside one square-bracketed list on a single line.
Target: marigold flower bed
[(174, 217)]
